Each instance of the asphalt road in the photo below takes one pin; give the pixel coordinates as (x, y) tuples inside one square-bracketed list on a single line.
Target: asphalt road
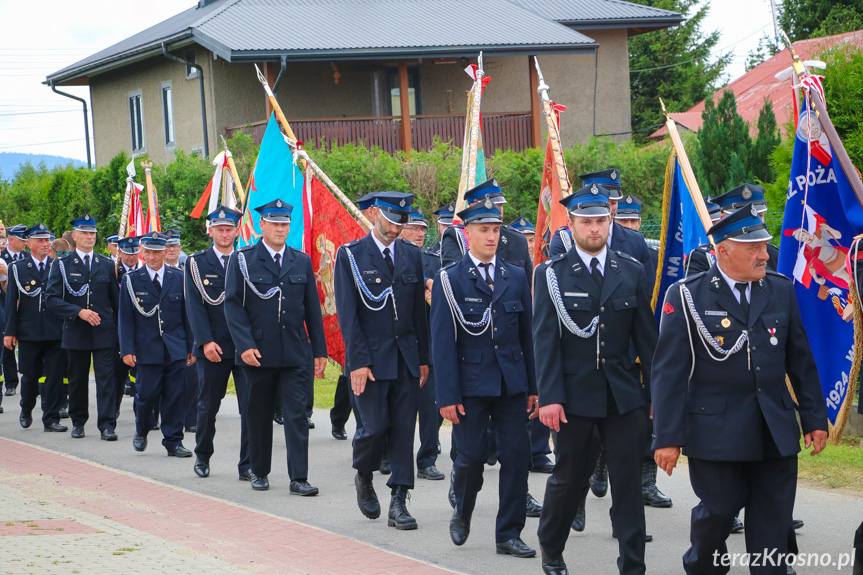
[(831, 517)]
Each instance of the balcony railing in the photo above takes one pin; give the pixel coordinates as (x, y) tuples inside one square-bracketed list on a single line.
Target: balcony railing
[(501, 131)]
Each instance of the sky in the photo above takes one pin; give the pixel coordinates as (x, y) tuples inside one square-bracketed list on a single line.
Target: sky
[(43, 36)]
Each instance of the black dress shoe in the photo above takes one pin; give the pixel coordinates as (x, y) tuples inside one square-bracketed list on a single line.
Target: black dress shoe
[(492, 459), (546, 468), (155, 427), (580, 518), (202, 468), (179, 451), (431, 472), (399, 517), (260, 483), (139, 442), (1, 409), (339, 432), (652, 496), (533, 508), (737, 526), (109, 435), (647, 536), (385, 467), (128, 390), (311, 423), (459, 528), (279, 418), (367, 499), (246, 475), (191, 429), (438, 447), (10, 391), (25, 419), (77, 432), (789, 570), (553, 566), (515, 547), (796, 524), (55, 428), (599, 478), (303, 489), (64, 413), (451, 493)]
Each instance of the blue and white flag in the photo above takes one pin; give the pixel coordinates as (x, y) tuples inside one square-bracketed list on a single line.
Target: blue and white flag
[(822, 216)]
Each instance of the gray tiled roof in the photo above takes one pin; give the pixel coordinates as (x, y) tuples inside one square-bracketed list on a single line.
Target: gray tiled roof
[(308, 29), (586, 11)]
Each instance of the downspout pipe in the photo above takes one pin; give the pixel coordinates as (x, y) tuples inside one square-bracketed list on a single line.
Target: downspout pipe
[(284, 59), (86, 120), (200, 70)]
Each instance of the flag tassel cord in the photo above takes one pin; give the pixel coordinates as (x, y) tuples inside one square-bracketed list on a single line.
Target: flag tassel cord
[(553, 125)]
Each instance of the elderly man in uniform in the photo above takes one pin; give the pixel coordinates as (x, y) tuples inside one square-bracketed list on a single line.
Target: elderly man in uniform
[(725, 402), (36, 331), (82, 290), (155, 339), (702, 258), (113, 246), (589, 304), (274, 317), (524, 226), (214, 349), (481, 326), (380, 298)]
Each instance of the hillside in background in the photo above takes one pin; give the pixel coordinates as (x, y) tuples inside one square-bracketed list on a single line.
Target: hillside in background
[(10, 161)]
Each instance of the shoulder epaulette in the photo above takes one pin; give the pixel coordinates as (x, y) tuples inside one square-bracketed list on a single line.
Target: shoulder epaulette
[(779, 275), (350, 244), (198, 254), (689, 279), (453, 264), (626, 256), (246, 248)]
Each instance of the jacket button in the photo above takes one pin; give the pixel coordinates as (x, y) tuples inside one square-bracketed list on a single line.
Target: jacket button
[(702, 409), (760, 390), (602, 344), (602, 326), (603, 361), (602, 308), (495, 329), (757, 369), (495, 347), (754, 348)]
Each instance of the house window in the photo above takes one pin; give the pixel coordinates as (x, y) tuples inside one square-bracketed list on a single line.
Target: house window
[(191, 71), (413, 93), (136, 122), (168, 114)]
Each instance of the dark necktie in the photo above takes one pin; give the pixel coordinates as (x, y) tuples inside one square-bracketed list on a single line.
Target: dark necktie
[(485, 269), (87, 262), (157, 284), (744, 303), (225, 261), (388, 258), (41, 267), (594, 271), (278, 259)]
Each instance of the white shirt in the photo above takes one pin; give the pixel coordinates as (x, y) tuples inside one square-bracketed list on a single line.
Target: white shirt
[(15, 255), (483, 269), (731, 283), (220, 254), (382, 246), (586, 258), (610, 231), (82, 254), (273, 253), (127, 268), (159, 273), (38, 261)]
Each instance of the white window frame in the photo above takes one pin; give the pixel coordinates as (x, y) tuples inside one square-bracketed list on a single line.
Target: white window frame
[(130, 98), (168, 114)]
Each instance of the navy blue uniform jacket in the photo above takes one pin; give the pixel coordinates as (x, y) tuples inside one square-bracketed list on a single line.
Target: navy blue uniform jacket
[(567, 371), (28, 317), (623, 240), (374, 339), (475, 366), (102, 279), (139, 335), (717, 413), (207, 321), (512, 249), (295, 338), (702, 259)]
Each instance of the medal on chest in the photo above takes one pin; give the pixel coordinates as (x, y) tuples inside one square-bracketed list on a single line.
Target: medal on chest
[(773, 340)]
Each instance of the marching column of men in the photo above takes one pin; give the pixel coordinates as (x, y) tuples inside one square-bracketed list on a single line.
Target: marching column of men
[(563, 353)]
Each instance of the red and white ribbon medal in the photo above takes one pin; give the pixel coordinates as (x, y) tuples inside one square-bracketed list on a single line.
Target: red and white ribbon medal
[(773, 340)]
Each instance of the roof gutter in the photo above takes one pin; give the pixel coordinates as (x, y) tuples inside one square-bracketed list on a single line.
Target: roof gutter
[(200, 70), (86, 121)]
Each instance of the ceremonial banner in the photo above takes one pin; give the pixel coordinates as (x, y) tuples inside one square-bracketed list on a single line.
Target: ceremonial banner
[(331, 226), (682, 231), (220, 189), (275, 176), (551, 214), (822, 216), (473, 155)]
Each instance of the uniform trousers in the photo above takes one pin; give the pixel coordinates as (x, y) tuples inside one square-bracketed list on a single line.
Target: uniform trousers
[(270, 387), (78, 370), (389, 410), (429, 423), (766, 489), (508, 414), (10, 368), (34, 357), (190, 397), (622, 436), (212, 385), (121, 374), (162, 386)]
